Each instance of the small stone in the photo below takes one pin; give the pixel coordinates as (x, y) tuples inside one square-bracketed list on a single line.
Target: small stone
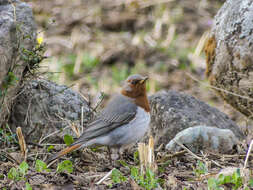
[(203, 138)]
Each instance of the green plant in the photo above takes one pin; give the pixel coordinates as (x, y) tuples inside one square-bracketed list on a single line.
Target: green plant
[(65, 166), (19, 173), (251, 182), (136, 157), (9, 80), (200, 169), (117, 176), (32, 58), (23, 167), (119, 74), (6, 136), (235, 181), (13, 174), (41, 166), (49, 148), (93, 81), (89, 62), (69, 64), (147, 180), (213, 184), (68, 139), (28, 186), (163, 166)]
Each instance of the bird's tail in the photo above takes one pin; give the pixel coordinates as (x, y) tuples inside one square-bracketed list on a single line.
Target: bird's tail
[(63, 152)]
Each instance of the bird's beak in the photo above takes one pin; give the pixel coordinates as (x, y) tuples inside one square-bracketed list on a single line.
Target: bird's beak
[(144, 80)]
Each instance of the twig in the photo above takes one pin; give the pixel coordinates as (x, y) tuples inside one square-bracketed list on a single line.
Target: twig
[(22, 143), (75, 129), (201, 43), (8, 156), (35, 144), (170, 156), (105, 177), (195, 156), (42, 139), (14, 11), (38, 153), (191, 153), (151, 156), (152, 3), (10, 131), (142, 4), (48, 165), (102, 96), (49, 144), (217, 164), (82, 120), (146, 155), (248, 153), (78, 63), (216, 88), (141, 150), (27, 111)]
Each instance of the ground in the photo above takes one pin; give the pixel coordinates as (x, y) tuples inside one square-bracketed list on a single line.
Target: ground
[(97, 44)]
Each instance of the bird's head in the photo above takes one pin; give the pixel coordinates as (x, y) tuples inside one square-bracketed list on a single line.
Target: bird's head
[(134, 86)]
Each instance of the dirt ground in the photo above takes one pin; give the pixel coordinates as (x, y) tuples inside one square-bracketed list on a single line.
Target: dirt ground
[(95, 45)]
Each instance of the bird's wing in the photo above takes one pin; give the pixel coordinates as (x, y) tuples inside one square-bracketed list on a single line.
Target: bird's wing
[(120, 110)]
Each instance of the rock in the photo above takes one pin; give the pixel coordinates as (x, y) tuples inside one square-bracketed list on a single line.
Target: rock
[(229, 55), (172, 112), (43, 107), (17, 29), (203, 138)]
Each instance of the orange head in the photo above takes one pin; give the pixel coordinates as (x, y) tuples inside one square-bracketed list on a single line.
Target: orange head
[(135, 87)]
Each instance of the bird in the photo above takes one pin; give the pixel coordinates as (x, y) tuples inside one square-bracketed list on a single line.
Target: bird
[(123, 121)]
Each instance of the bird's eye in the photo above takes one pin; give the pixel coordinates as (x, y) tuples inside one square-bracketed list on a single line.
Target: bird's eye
[(134, 82)]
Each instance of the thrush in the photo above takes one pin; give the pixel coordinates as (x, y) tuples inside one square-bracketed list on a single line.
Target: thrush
[(123, 121)]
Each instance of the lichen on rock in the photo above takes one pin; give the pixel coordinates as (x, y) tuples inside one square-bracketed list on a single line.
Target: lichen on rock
[(229, 55)]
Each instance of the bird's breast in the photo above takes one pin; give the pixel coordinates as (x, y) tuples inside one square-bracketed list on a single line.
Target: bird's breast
[(141, 118)]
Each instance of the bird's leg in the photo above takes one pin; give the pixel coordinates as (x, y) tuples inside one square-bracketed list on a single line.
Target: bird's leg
[(114, 154), (110, 154), (120, 152)]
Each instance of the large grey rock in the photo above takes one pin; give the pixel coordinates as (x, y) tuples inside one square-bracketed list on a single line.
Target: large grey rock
[(17, 29), (204, 138), (172, 112), (43, 107), (229, 54)]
